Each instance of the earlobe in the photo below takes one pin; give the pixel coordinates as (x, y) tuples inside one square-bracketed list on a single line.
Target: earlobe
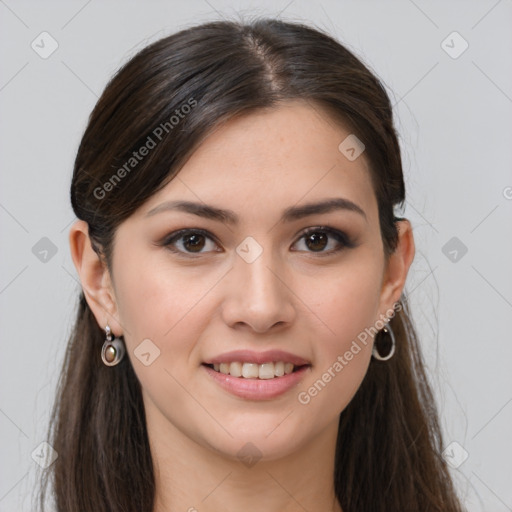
[(94, 277), (398, 266)]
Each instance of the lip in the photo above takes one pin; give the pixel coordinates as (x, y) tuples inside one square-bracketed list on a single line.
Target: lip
[(250, 356), (256, 389)]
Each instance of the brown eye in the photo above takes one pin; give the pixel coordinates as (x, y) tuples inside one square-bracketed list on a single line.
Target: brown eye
[(195, 242), (190, 241), (317, 239)]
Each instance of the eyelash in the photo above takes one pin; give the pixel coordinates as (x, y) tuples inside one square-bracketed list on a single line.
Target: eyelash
[(341, 238)]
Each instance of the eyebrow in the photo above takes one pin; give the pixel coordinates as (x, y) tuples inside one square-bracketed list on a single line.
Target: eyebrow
[(230, 217)]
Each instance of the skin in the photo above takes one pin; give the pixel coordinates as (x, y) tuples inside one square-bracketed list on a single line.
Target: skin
[(291, 297)]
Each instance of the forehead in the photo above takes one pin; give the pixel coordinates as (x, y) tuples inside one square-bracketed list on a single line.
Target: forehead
[(272, 158)]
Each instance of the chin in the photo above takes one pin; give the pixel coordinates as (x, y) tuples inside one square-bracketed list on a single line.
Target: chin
[(257, 439)]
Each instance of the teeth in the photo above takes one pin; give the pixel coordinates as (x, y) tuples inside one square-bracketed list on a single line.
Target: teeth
[(250, 371), (266, 371), (235, 369), (253, 370)]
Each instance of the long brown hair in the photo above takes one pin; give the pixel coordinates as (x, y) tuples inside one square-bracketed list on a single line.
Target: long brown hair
[(174, 92)]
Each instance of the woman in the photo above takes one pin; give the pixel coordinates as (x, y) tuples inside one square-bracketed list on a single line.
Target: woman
[(242, 340)]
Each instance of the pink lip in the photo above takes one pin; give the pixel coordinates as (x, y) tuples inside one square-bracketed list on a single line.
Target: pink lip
[(257, 389), (249, 356)]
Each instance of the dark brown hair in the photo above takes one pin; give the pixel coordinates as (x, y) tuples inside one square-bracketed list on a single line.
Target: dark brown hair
[(388, 454)]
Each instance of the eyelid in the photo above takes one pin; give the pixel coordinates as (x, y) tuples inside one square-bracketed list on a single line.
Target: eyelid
[(176, 235), (342, 238)]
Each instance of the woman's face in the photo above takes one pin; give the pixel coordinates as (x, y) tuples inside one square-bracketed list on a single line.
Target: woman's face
[(251, 281)]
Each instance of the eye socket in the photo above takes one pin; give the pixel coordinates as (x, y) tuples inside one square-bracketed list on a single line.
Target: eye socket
[(192, 236), (341, 238), (196, 237)]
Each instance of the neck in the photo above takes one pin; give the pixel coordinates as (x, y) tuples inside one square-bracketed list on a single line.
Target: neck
[(194, 478)]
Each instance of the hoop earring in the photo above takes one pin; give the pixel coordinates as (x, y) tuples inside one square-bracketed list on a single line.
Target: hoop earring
[(384, 336), (113, 349)]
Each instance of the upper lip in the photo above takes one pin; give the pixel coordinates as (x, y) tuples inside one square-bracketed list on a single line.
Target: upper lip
[(249, 356)]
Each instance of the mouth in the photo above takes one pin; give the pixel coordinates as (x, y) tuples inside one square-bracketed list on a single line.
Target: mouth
[(256, 375), (264, 371)]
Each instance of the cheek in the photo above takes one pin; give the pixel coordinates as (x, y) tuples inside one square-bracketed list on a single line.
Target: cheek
[(161, 303), (350, 303), (349, 308), (166, 306)]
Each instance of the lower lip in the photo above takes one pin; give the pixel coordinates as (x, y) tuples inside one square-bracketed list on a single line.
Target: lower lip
[(257, 389)]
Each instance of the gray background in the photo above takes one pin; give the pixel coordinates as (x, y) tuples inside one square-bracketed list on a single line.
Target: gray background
[(454, 119)]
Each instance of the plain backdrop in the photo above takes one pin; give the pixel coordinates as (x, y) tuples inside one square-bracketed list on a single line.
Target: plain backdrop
[(447, 68)]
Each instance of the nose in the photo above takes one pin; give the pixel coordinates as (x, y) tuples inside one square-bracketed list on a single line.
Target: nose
[(257, 295)]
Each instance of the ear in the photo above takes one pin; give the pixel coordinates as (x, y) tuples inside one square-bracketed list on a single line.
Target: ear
[(95, 278), (397, 267)]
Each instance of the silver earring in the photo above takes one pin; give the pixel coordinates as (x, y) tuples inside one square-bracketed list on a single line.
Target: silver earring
[(113, 349), (384, 336)]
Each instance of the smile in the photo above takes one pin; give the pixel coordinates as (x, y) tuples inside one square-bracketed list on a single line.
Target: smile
[(256, 387), (269, 370)]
